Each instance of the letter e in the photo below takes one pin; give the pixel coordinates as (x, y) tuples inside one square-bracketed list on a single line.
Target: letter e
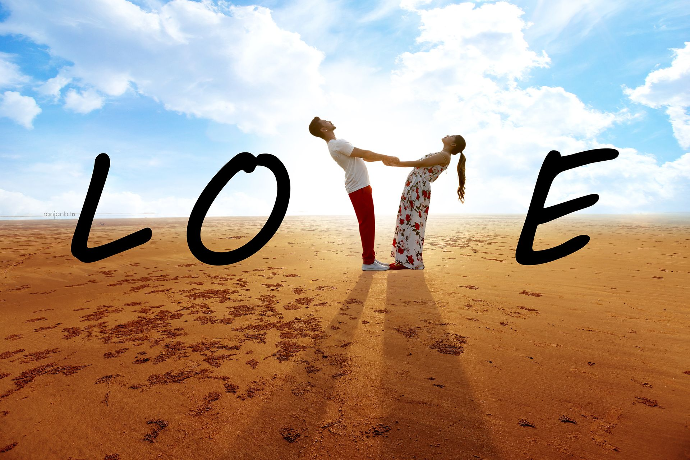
[(553, 165)]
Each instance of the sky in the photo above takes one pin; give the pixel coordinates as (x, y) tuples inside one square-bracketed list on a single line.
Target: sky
[(172, 90)]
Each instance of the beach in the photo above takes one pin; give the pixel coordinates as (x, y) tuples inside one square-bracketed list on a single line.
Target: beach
[(297, 353)]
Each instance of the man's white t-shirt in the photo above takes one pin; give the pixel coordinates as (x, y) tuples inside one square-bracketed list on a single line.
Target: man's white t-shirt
[(356, 175)]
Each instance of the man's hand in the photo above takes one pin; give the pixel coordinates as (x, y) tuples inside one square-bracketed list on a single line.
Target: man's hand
[(390, 161)]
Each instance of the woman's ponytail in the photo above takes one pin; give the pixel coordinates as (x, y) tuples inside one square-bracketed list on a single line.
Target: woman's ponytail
[(461, 178), (460, 146)]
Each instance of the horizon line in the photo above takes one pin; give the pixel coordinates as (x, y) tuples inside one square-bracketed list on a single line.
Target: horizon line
[(111, 216)]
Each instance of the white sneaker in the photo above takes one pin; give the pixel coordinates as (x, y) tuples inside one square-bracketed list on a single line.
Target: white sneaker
[(376, 266), (376, 261)]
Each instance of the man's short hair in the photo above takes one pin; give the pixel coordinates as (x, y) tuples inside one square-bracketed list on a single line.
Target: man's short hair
[(315, 127)]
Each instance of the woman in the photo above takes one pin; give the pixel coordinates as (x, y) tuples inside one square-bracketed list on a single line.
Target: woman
[(414, 202)]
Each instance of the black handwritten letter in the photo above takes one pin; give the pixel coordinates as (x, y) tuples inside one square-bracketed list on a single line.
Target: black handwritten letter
[(81, 233), (553, 165), (247, 162)]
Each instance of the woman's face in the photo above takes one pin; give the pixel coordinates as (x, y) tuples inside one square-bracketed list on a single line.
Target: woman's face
[(448, 141)]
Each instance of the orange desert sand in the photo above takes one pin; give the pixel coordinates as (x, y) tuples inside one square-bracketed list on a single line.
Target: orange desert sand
[(297, 353)]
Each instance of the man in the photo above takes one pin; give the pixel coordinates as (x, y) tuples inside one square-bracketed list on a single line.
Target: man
[(352, 159)]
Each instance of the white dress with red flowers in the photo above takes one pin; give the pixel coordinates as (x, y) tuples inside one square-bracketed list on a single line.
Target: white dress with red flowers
[(412, 214)]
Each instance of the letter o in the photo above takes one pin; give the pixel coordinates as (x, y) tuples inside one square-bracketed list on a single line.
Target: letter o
[(247, 162)]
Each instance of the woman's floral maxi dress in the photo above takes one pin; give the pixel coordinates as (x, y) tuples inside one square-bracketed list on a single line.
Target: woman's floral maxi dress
[(412, 214)]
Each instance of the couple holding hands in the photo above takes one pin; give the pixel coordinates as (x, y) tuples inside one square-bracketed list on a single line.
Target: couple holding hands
[(414, 202)]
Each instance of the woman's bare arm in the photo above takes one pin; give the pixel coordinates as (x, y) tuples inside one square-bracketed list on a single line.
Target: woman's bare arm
[(440, 158)]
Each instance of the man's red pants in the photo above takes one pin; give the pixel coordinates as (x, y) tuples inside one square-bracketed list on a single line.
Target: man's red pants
[(363, 203)]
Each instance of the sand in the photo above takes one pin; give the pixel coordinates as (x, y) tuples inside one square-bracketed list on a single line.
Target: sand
[(297, 353)]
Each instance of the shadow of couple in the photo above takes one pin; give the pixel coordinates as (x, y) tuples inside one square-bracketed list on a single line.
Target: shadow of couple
[(385, 380)]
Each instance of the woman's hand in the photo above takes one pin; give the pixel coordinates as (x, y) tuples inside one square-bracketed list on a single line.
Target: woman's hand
[(391, 161)]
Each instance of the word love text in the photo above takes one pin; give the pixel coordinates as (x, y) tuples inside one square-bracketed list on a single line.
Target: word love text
[(553, 165)]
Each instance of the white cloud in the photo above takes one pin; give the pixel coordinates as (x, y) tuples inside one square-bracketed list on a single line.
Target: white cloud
[(16, 204), (666, 87), (380, 11), (22, 109), (670, 88), (315, 21), (561, 23), (412, 5), (230, 64), (53, 86), (680, 121), (554, 111), (84, 102), (10, 75), (469, 44)]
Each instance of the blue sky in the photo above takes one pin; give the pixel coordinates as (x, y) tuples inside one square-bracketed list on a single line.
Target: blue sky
[(172, 90)]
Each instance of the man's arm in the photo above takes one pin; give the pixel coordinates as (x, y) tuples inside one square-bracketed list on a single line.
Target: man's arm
[(368, 155)]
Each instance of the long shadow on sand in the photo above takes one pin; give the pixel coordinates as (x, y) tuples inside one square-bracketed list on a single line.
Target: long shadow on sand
[(430, 411), (292, 416)]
